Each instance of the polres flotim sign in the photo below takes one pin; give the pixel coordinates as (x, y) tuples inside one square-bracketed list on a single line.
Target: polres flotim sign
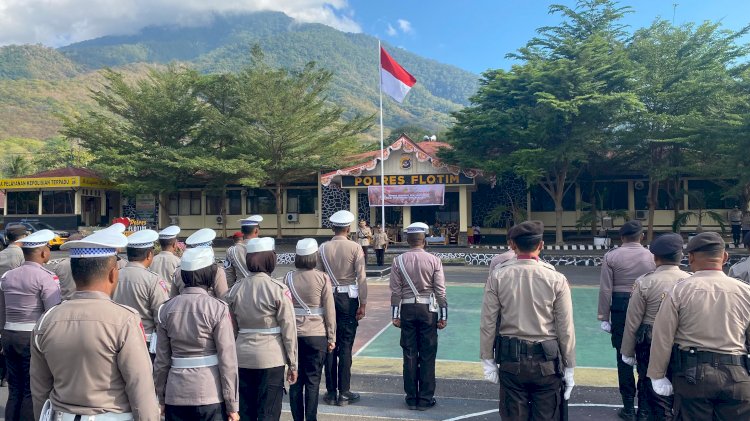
[(406, 180)]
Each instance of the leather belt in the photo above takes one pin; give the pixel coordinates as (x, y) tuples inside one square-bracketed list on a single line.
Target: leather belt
[(708, 357), (416, 300), (313, 312), (19, 327), (267, 331), (530, 348), (195, 362)]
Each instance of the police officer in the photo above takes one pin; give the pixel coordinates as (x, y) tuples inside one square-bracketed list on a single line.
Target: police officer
[(204, 237), (648, 292), (263, 312), (707, 317), (316, 327), (741, 269), (195, 370), (344, 262), (25, 293), (364, 236), (235, 260), (419, 307), (88, 357), (620, 268), (12, 256), (527, 328), (165, 263), (140, 288)]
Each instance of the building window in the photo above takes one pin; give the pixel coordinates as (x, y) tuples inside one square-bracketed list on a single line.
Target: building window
[(234, 202), (610, 195), (541, 201), (173, 207), (23, 203), (57, 202), (260, 201), (640, 195), (213, 203), (707, 194), (189, 203), (302, 200)]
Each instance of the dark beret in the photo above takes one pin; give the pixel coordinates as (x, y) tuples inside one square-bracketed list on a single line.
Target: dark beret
[(705, 241), (667, 244), (16, 229), (631, 228), (526, 229)]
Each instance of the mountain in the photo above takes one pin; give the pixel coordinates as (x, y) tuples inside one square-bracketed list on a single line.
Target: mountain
[(38, 82)]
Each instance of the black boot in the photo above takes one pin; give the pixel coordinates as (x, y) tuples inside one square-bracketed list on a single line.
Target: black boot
[(345, 398), (330, 398), (627, 412)]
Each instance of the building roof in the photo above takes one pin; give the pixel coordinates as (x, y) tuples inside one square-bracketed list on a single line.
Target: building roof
[(65, 172)]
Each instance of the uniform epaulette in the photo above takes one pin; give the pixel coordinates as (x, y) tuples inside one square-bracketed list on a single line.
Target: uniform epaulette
[(547, 265), (278, 282), (152, 272), (640, 278), (130, 309), (219, 300)]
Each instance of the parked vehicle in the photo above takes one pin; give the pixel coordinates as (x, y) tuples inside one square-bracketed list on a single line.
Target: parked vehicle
[(33, 225)]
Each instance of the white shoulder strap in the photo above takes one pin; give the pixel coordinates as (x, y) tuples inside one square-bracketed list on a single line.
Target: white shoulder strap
[(245, 273), (290, 283), (406, 275), (327, 266)]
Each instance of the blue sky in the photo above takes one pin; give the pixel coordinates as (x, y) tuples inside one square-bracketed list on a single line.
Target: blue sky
[(476, 34)]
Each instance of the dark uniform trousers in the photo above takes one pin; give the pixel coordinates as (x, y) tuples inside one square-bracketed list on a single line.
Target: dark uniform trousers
[(261, 392), (339, 362), (625, 377), (17, 349), (649, 402), (303, 395), (530, 389), (419, 341), (380, 256), (213, 412)]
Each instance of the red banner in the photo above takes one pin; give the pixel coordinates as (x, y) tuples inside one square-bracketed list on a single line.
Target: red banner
[(418, 195)]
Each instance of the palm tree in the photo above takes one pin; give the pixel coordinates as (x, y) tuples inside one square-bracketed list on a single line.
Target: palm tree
[(683, 218), (18, 166)]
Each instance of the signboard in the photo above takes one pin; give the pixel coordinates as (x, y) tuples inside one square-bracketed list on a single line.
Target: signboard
[(406, 180), (408, 195), (145, 208), (53, 182)]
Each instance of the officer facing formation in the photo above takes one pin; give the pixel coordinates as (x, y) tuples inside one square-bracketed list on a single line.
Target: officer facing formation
[(344, 262), (741, 269), (648, 292), (527, 329), (235, 262), (620, 268), (316, 328), (419, 307), (204, 237), (25, 293), (72, 377), (165, 263), (195, 371), (707, 317), (12, 256)]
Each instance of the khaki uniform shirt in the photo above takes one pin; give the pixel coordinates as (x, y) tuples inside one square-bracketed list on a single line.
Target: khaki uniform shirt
[(61, 267), (741, 270), (165, 264), (648, 292), (347, 263), (142, 290), (533, 303), (195, 324), (501, 258), (10, 258), (314, 289), (261, 302), (735, 217), (425, 271), (26, 292), (88, 357), (380, 240), (620, 268), (363, 236), (236, 263), (218, 290), (709, 311)]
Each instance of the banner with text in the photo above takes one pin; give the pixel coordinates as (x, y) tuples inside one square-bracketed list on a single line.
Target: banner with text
[(400, 180), (424, 195)]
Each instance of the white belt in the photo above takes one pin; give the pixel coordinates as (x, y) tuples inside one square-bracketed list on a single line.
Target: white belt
[(107, 416), (195, 362), (313, 312), (148, 336), (19, 327), (343, 289), (417, 300), (268, 331)]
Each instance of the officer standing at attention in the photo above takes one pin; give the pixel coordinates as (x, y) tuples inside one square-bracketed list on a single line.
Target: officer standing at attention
[(648, 292), (419, 307), (235, 260), (364, 237), (707, 317), (526, 327), (88, 357), (25, 293), (735, 221), (165, 263), (140, 288), (620, 268), (12, 256), (344, 262), (204, 237), (741, 269)]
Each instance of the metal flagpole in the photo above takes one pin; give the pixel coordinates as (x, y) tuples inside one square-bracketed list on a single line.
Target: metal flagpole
[(382, 147)]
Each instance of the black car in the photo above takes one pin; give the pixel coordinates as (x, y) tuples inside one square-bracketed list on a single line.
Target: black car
[(34, 226)]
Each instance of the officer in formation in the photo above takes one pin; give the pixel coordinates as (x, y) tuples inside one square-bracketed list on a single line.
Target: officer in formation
[(501, 258), (620, 268), (140, 288), (195, 371), (741, 269), (344, 262), (235, 260), (204, 237), (88, 357), (25, 293), (419, 307), (316, 327), (707, 318), (648, 292), (165, 263), (527, 329), (263, 313), (12, 256)]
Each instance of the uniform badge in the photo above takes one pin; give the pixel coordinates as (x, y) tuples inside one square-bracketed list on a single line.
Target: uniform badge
[(143, 331), (56, 279), (663, 296), (227, 264), (163, 284), (288, 295)]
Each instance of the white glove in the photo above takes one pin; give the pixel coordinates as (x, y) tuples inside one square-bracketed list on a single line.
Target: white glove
[(662, 387), (628, 360), (606, 327), (569, 382), (490, 371)]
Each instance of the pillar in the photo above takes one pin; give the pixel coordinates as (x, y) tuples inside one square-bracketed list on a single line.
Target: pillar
[(320, 202), (406, 216), (354, 207), (39, 203), (528, 203), (77, 202), (373, 215), (5, 208), (469, 195), (685, 197), (463, 215), (578, 201), (631, 198)]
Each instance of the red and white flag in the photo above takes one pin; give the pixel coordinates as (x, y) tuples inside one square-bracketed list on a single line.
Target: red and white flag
[(394, 79)]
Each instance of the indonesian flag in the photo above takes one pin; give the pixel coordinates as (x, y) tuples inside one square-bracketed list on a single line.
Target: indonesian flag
[(394, 79)]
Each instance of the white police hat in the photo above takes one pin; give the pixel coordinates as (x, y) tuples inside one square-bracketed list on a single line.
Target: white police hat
[(417, 228), (342, 218), (117, 227), (102, 243), (306, 246), (251, 221), (169, 232), (37, 239), (197, 258), (201, 238), (256, 245), (142, 239)]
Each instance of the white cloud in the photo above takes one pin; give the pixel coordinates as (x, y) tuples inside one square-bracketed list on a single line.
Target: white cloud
[(405, 26), (391, 30), (59, 22)]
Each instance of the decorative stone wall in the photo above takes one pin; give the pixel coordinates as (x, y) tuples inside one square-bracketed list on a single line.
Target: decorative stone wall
[(363, 208), (334, 199)]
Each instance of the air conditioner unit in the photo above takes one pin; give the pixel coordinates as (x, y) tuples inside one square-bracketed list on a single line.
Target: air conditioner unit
[(292, 217), (219, 219), (173, 220), (641, 215)]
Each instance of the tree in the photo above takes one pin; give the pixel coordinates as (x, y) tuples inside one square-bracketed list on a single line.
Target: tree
[(18, 166), (60, 152)]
